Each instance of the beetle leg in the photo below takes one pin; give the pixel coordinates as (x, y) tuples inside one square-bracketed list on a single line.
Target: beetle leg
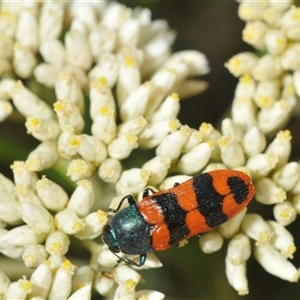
[(147, 191), (199, 234), (131, 262), (130, 200), (176, 184)]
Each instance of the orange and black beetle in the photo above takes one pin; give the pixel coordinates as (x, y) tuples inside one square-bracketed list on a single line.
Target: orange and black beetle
[(163, 219)]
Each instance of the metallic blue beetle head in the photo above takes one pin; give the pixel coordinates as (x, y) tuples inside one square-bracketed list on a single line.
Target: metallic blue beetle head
[(127, 232)]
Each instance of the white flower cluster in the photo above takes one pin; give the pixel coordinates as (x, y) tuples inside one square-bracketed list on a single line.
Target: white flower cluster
[(267, 93), (121, 61)]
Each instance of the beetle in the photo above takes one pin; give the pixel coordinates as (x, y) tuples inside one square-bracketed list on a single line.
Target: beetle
[(163, 219)]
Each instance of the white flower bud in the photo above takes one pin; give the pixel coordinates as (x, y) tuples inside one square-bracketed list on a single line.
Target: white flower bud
[(80, 169), (148, 294), (170, 181), (196, 159), (51, 20), (6, 87), (194, 139), (104, 39), (22, 174), (280, 6), (154, 133), (255, 227), (53, 196), (36, 216), (53, 52), (272, 16), (239, 249), (231, 227), (169, 109), (275, 263), (261, 165), (284, 213), (267, 68), (104, 125), (46, 74), (25, 193), (6, 48), (254, 141), (281, 146), (84, 292), (91, 148), (19, 290), (232, 153), (129, 78), (5, 109), (243, 112), (254, 33), (42, 129), (28, 104), (78, 52), (251, 11), (57, 243), (242, 63), (132, 181), (24, 61), (4, 283), (105, 257), (34, 255), (85, 13), (158, 166), (157, 50), (287, 176), (27, 30), (267, 92), (69, 115), (67, 221), (83, 276), (211, 242), (9, 210), (68, 89), (115, 14), (100, 95), (55, 261), (290, 58), (44, 156), (94, 225), (6, 185), (290, 22), (135, 126), (268, 192), (122, 146), (245, 87), (61, 284), (22, 236), (103, 283), (129, 33), (282, 240), (82, 198), (126, 290), (135, 104), (275, 41), (9, 20), (209, 133), (164, 79), (171, 145), (236, 276), (110, 170), (195, 61), (40, 280), (122, 273)]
